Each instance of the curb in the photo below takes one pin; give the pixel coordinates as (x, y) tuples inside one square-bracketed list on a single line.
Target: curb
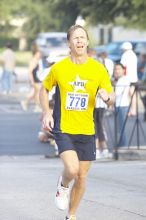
[(132, 153)]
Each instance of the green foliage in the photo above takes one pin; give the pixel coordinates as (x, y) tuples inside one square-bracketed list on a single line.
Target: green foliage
[(23, 58), (4, 40), (58, 15), (66, 12)]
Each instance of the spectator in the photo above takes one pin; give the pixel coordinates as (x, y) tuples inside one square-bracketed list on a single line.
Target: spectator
[(144, 103), (102, 150), (129, 61), (141, 66), (92, 52), (122, 87), (144, 96), (8, 61), (107, 62), (34, 81)]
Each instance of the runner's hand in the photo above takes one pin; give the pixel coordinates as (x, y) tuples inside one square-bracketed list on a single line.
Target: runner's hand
[(48, 122)]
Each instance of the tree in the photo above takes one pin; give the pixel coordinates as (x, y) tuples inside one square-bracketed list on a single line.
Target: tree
[(7, 10), (103, 11), (58, 15)]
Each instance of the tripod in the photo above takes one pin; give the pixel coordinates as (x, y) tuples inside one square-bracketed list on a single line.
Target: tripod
[(137, 124)]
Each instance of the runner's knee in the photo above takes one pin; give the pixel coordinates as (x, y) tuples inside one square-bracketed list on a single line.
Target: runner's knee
[(73, 170), (81, 180)]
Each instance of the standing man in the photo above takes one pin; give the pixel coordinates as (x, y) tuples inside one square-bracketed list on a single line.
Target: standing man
[(122, 87), (8, 63), (129, 61), (77, 79), (102, 150)]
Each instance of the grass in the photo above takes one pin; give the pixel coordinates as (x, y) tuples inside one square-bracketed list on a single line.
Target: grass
[(23, 58)]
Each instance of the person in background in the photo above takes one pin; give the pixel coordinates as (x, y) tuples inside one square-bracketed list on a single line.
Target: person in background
[(129, 61), (144, 103), (144, 96), (8, 61), (92, 53), (77, 79), (141, 66), (122, 89), (34, 81), (102, 150), (106, 61)]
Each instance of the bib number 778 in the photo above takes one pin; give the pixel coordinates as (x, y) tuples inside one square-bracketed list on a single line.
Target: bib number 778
[(77, 101)]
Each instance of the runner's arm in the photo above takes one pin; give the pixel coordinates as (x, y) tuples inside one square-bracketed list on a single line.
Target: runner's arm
[(47, 122)]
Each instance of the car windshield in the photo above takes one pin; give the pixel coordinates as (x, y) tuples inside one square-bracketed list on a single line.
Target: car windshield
[(140, 47), (56, 42), (114, 48)]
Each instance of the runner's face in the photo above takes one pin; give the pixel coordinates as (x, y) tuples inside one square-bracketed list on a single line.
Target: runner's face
[(78, 42)]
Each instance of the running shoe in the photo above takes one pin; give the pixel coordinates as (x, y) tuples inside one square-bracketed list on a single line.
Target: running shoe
[(72, 217), (98, 154), (106, 154), (62, 196)]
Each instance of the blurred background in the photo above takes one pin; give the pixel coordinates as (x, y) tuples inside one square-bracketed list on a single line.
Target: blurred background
[(27, 183), (45, 22), (21, 22)]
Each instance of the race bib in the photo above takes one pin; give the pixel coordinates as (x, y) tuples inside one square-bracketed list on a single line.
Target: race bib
[(77, 101)]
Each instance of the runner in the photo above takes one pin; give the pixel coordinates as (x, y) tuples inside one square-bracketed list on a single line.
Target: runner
[(77, 79)]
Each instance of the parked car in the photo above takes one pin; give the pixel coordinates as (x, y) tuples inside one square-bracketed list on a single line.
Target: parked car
[(140, 47), (114, 50), (52, 43)]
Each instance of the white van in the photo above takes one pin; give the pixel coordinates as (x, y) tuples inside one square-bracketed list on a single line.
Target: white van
[(52, 42)]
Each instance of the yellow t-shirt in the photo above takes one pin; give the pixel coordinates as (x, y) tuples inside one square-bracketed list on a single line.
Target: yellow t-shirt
[(77, 85)]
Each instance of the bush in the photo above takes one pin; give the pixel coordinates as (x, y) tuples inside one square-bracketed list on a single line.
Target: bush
[(14, 41)]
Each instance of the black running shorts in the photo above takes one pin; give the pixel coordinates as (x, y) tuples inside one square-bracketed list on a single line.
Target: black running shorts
[(84, 145)]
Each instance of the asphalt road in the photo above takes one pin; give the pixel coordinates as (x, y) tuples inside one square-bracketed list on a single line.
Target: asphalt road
[(18, 130), (18, 135), (115, 189)]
